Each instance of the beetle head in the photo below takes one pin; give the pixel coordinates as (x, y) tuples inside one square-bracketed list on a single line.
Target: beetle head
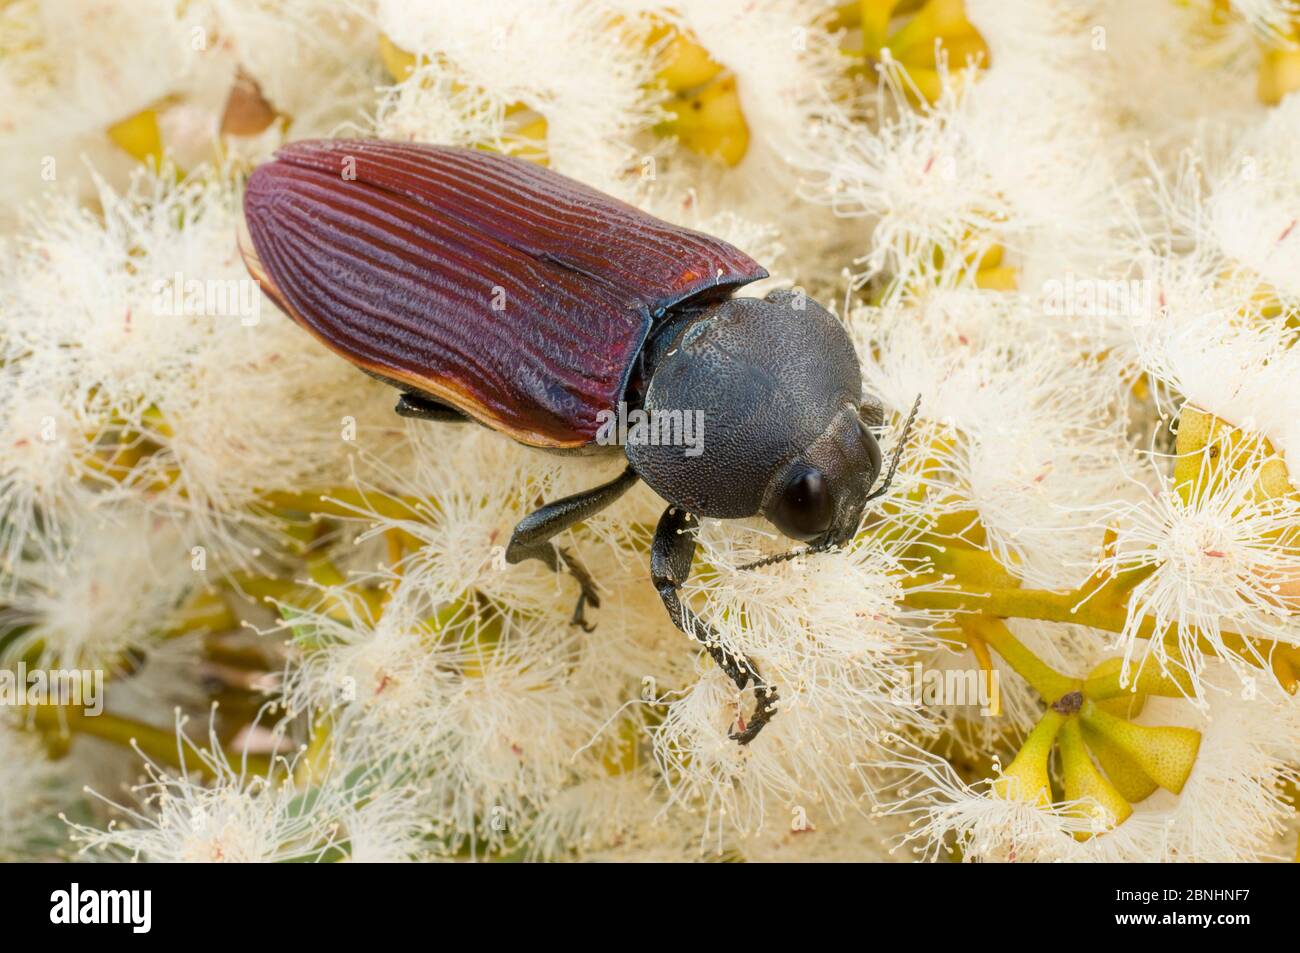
[(819, 496), (779, 389), (846, 519)]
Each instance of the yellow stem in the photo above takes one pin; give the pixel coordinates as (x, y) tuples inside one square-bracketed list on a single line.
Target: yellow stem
[(982, 586), (159, 745), (1048, 682), (351, 503)]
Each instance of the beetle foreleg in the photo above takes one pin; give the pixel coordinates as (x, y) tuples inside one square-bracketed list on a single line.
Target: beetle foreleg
[(532, 536), (671, 556)]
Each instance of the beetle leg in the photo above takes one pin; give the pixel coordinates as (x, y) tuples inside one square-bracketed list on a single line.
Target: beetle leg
[(423, 408), (586, 585), (671, 556), (532, 535)]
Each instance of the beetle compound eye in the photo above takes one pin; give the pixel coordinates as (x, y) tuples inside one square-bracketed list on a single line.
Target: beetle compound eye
[(804, 509)]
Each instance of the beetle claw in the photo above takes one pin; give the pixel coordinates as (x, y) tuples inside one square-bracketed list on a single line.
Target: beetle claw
[(590, 595), (579, 617), (765, 699)]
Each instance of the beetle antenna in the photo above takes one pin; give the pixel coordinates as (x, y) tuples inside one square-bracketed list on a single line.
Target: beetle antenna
[(783, 557), (772, 560), (898, 452)]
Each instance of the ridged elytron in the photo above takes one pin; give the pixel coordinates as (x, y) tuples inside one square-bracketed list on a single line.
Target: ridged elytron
[(400, 257)]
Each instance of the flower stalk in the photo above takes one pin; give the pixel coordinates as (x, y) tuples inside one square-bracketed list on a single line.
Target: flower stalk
[(57, 724)]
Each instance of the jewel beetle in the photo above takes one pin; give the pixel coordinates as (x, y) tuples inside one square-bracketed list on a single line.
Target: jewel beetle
[(487, 288)]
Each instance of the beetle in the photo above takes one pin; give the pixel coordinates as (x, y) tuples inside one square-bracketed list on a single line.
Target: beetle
[(487, 288)]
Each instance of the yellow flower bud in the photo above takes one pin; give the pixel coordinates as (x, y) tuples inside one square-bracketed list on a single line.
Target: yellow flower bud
[(139, 136), (1026, 777), (710, 122), (399, 63), (1279, 74), (1082, 781), (1166, 754), (1131, 781), (685, 63)]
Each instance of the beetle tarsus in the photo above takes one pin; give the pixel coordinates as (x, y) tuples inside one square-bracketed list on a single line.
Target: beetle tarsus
[(589, 596), (579, 617), (765, 699), (671, 556), (557, 559), (532, 535)]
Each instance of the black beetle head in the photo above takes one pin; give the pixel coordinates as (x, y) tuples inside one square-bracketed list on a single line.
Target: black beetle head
[(819, 496), (777, 385)]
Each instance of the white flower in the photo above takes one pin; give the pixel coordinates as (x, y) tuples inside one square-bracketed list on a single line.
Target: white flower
[(1011, 157), (591, 89), (1273, 18), (609, 817), (1169, 68), (238, 816), (143, 357), (30, 787), (483, 709), (1020, 429), (71, 69), (916, 176), (117, 588), (1223, 559)]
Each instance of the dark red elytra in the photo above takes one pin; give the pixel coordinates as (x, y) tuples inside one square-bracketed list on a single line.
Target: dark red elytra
[(510, 292)]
